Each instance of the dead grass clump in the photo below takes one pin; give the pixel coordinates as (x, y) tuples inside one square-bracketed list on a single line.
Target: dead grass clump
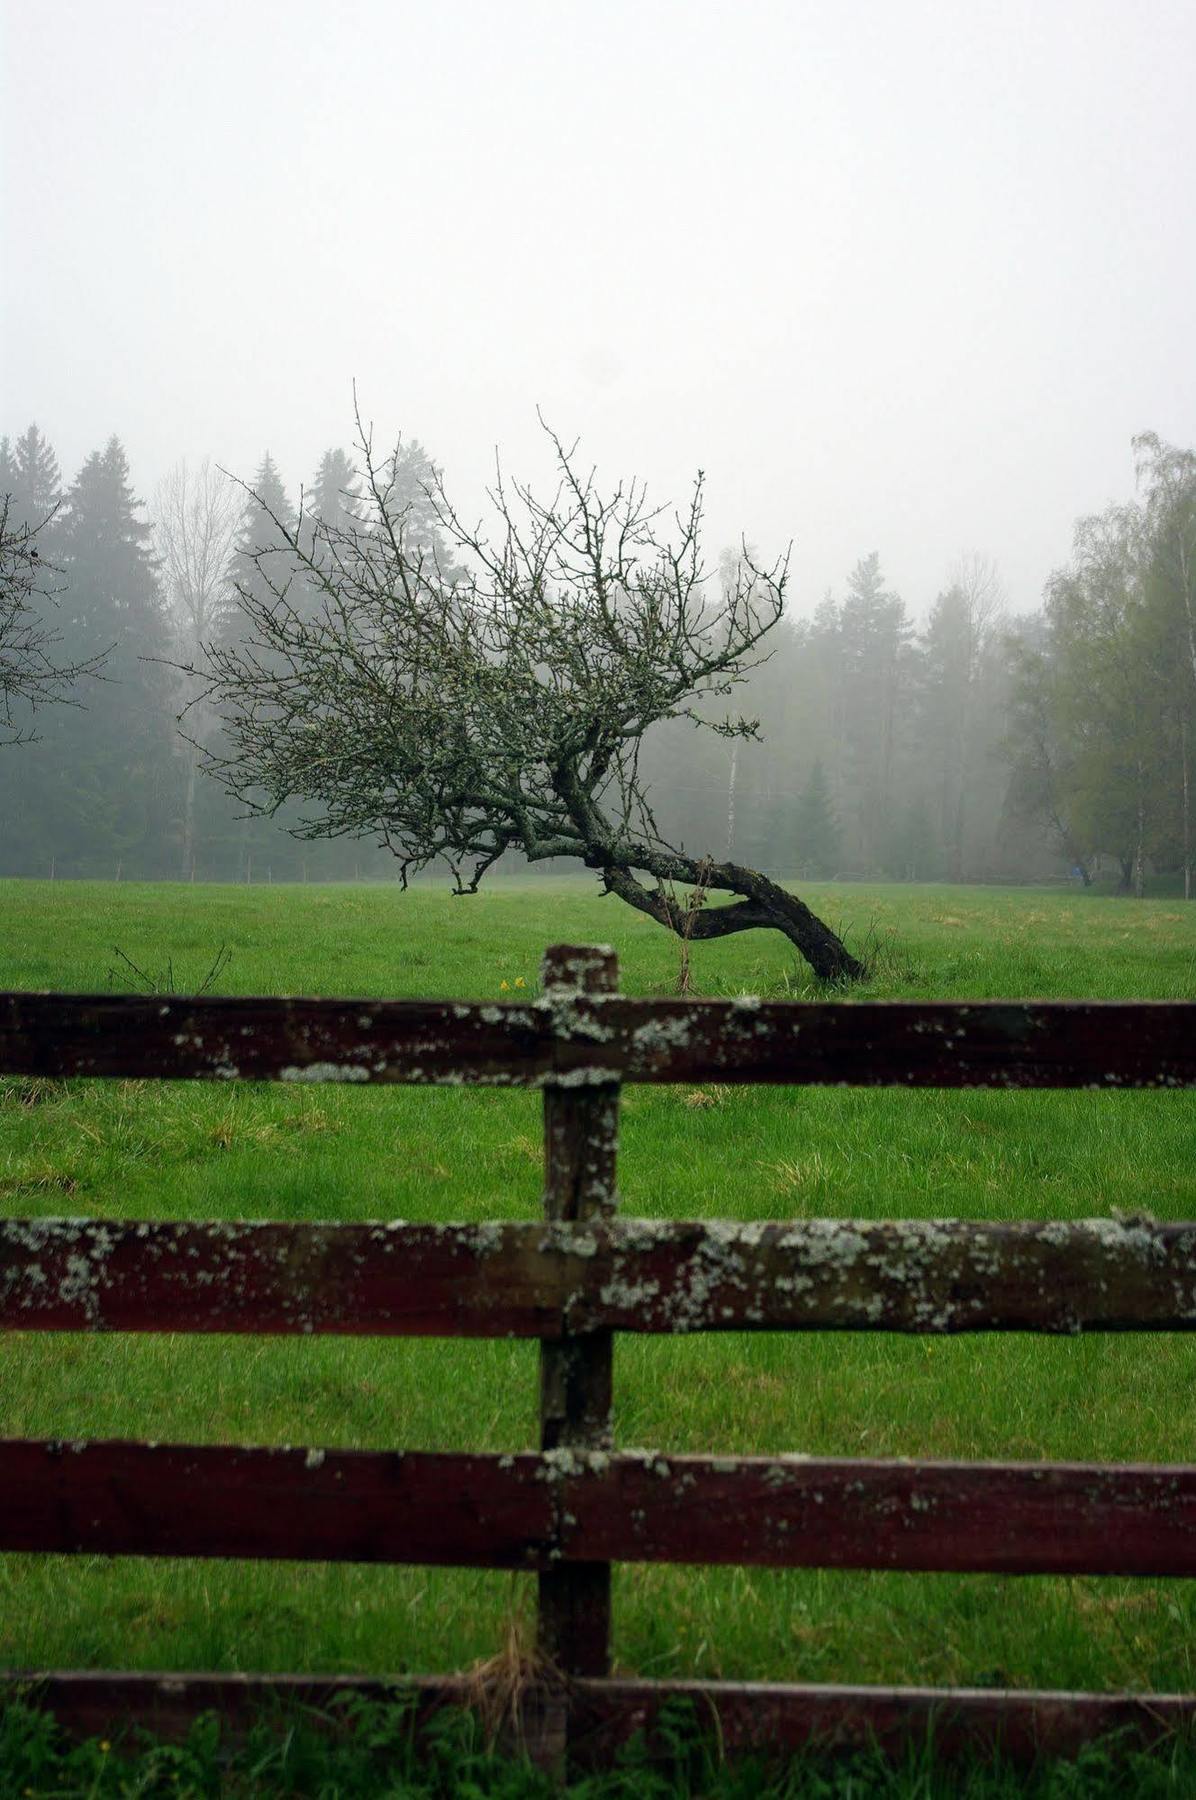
[(518, 1696), (697, 1098), (31, 1090)]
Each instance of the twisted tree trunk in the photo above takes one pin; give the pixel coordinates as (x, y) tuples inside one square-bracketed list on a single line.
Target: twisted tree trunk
[(763, 904)]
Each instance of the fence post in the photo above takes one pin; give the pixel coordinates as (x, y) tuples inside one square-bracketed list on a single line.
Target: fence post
[(580, 1142)]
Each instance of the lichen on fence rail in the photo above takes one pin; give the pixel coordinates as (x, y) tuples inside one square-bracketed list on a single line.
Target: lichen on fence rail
[(574, 1507), (541, 1280), (575, 1039)]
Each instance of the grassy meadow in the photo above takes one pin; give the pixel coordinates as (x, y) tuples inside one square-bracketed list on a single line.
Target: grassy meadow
[(145, 1150)]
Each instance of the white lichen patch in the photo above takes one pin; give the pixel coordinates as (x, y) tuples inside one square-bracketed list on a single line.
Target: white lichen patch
[(596, 1075), (1133, 1235), (660, 1035), (562, 1237), (568, 1462), (324, 1071), (556, 1465), (627, 1296)]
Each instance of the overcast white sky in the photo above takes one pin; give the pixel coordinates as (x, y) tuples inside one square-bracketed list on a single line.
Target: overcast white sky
[(900, 276)]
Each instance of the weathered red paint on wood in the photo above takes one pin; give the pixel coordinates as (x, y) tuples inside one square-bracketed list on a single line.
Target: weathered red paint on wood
[(741, 1717), (1011, 1518), (358, 1280), (593, 1040), (128, 1499), (572, 1506), (572, 1511), (532, 1280)]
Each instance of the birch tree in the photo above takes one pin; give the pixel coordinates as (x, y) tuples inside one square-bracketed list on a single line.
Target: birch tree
[(197, 512)]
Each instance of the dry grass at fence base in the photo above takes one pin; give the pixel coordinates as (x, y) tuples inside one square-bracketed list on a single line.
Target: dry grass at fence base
[(516, 1694)]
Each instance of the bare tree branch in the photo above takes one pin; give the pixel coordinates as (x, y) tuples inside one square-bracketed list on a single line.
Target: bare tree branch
[(493, 695)]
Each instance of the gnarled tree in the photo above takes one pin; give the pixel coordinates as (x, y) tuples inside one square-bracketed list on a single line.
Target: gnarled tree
[(462, 695)]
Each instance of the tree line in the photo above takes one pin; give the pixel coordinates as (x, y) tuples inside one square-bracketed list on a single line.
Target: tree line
[(978, 747), (108, 783), (974, 746)]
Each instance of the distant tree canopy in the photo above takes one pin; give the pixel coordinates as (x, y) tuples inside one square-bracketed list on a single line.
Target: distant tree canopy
[(1103, 737), (459, 710), (964, 747)]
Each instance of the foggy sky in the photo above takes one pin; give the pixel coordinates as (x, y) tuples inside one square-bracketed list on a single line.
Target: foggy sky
[(898, 276)]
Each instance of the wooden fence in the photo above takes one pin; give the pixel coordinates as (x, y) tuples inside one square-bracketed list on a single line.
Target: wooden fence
[(575, 1506)]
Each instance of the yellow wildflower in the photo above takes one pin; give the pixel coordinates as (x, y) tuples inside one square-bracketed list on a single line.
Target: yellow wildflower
[(503, 987), (519, 981)]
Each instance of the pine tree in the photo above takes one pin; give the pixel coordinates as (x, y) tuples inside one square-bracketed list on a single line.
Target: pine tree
[(234, 844), (874, 635), (260, 548), (30, 476), (413, 474), (109, 777), (816, 826), (332, 497), (959, 700)]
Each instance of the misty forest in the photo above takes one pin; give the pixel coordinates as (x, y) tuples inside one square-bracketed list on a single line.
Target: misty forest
[(908, 738)]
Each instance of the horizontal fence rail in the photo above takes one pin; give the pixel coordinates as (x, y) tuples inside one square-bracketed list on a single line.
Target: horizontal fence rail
[(602, 1715), (570, 1510), (576, 1039), (566, 1506), (542, 1280)]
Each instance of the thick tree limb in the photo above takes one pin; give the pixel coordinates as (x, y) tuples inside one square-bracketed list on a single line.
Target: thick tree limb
[(766, 906)]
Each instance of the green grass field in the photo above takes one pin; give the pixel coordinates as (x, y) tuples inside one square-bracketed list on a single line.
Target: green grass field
[(144, 1150)]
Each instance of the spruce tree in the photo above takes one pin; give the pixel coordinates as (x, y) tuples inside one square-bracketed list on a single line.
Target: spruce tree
[(268, 515), (874, 637), (233, 843), (37, 488), (111, 771), (412, 474), (332, 497)]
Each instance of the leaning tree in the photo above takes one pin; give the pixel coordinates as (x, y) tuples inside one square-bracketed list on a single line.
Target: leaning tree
[(460, 694)]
